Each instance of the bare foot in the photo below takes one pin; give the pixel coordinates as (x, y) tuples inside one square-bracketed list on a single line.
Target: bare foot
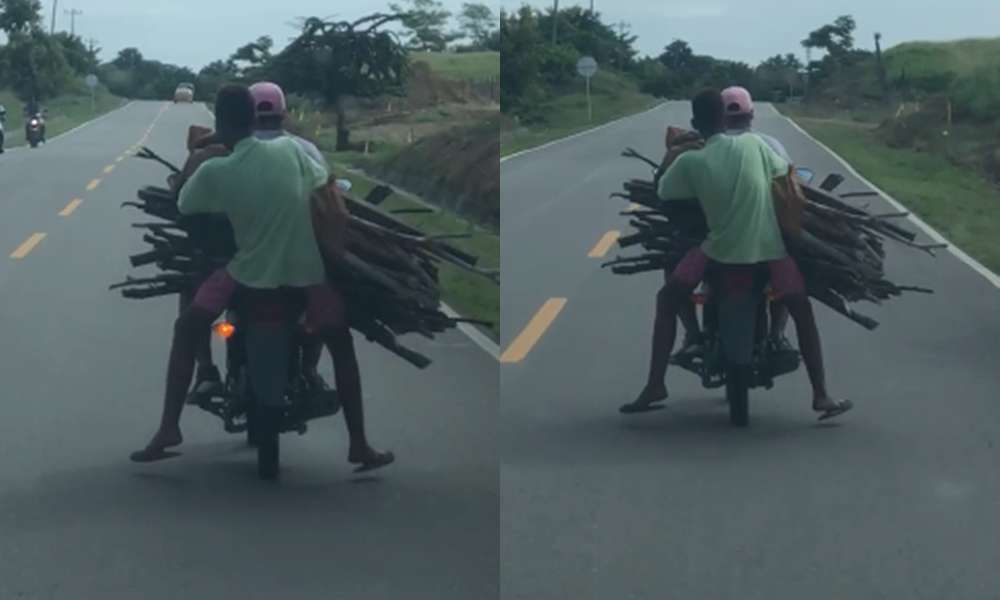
[(649, 396), (830, 407), (156, 449)]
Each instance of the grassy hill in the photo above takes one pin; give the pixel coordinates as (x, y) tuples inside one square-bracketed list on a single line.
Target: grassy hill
[(565, 113), (961, 57), (465, 66)]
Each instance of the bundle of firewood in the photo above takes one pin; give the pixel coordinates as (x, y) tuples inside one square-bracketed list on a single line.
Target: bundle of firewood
[(388, 276), (840, 251)]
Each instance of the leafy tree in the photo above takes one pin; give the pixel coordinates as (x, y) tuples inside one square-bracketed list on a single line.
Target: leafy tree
[(478, 23), (81, 58), (33, 65), (214, 76), (426, 21), (780, 72), (338, 59), (129, 58), (585, 32), (252, 57), (20, 16), (520, 61)]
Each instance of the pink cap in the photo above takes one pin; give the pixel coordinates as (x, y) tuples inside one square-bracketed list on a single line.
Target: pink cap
[(268, 99), (737, 101)]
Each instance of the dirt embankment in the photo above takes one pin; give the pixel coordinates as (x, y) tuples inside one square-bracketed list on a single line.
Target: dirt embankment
[(458, 169)]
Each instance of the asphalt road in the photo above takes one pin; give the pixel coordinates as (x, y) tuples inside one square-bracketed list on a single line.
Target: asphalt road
[(83, 373), (899, 499)]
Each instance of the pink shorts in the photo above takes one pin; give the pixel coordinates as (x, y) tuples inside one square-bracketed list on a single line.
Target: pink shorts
[(786, 279), (325, 305)]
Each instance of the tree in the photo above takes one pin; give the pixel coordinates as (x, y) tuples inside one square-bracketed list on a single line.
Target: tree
[(584, 31), (478, 23), (34, 66), (780, 73), (252, 57), (81, 58), (128, 59), (520, 63), (214, 76), (338, 59), (20, 16), (426, 21)]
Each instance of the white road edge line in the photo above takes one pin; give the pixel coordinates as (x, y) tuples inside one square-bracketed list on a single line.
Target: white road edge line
[(972, 263), (504, 159), (478, 337)]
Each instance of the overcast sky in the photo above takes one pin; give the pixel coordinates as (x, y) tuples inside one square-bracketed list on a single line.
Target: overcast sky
[(196, 32)]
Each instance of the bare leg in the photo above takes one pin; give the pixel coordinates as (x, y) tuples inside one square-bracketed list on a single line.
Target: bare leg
[(801, 311), (688, 316), (668, 301), (348, 379), (193, 324), (779, 320)]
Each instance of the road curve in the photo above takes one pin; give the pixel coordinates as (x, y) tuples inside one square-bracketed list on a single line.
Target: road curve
[(83, 374), (897, 500)]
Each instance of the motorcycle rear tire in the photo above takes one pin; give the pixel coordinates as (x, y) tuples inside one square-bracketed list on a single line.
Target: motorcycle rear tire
[(738, 395), (267, 436)]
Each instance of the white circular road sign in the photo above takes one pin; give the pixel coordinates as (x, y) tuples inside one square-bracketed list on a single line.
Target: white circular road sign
[(91, 81), (587, 67)]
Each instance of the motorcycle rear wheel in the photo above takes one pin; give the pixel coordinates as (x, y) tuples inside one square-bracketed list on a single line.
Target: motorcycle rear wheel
[(738, 395), (267, 437)]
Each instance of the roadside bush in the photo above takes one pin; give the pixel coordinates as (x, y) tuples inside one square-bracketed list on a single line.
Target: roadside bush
[(558, 64), (977, 96)]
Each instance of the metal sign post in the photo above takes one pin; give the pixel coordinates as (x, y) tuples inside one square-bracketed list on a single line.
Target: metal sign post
[(587, 68), (91, 82)]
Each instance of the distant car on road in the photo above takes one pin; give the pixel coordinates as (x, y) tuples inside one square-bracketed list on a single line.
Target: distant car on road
[(184, 93)]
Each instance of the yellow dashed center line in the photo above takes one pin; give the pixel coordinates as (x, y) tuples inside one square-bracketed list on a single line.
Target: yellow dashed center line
[(72, 206), (93, 185), (534, 331), (108, 169), (604, 244), (28, 246)]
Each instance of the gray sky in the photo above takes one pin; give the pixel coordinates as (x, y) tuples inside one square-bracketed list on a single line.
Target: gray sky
[(752, 31), (196, 32)]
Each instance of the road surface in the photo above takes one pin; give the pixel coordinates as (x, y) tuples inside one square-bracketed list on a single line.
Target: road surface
[(899, 499), (83, 373)]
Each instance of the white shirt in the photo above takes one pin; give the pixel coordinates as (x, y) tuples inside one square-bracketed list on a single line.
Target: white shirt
[(309, 147), (775, 145)]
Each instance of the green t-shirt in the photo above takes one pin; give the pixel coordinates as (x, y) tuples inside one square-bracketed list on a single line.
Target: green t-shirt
[(265, 189), (732, 177)]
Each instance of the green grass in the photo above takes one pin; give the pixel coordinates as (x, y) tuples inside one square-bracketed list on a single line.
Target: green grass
[(957, 201), (471, 295), (65, 113), (961, 57), (614, 96), (474, 66)]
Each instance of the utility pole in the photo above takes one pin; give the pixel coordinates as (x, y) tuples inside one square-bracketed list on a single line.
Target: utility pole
[(72, 19), (591, 6), (555, 23), (55, 10), (882, 77)]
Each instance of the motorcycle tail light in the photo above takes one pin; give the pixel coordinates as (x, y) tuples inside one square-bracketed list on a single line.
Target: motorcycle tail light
[(700, 299), (225, 330)]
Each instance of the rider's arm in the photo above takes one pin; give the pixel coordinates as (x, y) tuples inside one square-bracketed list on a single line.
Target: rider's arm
[(199, 195), (675, 184)]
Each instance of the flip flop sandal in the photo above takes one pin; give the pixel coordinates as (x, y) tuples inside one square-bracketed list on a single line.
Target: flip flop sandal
[(382, 460), (634, 409), (842, 407), (151, 455)]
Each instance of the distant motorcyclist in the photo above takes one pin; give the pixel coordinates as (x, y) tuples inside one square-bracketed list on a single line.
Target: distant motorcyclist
[(274, 195), (732, 178), (33, 111)]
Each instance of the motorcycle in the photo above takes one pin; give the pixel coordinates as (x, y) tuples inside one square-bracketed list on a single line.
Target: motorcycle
[(738, 353), (265, 392), (34, 131)]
